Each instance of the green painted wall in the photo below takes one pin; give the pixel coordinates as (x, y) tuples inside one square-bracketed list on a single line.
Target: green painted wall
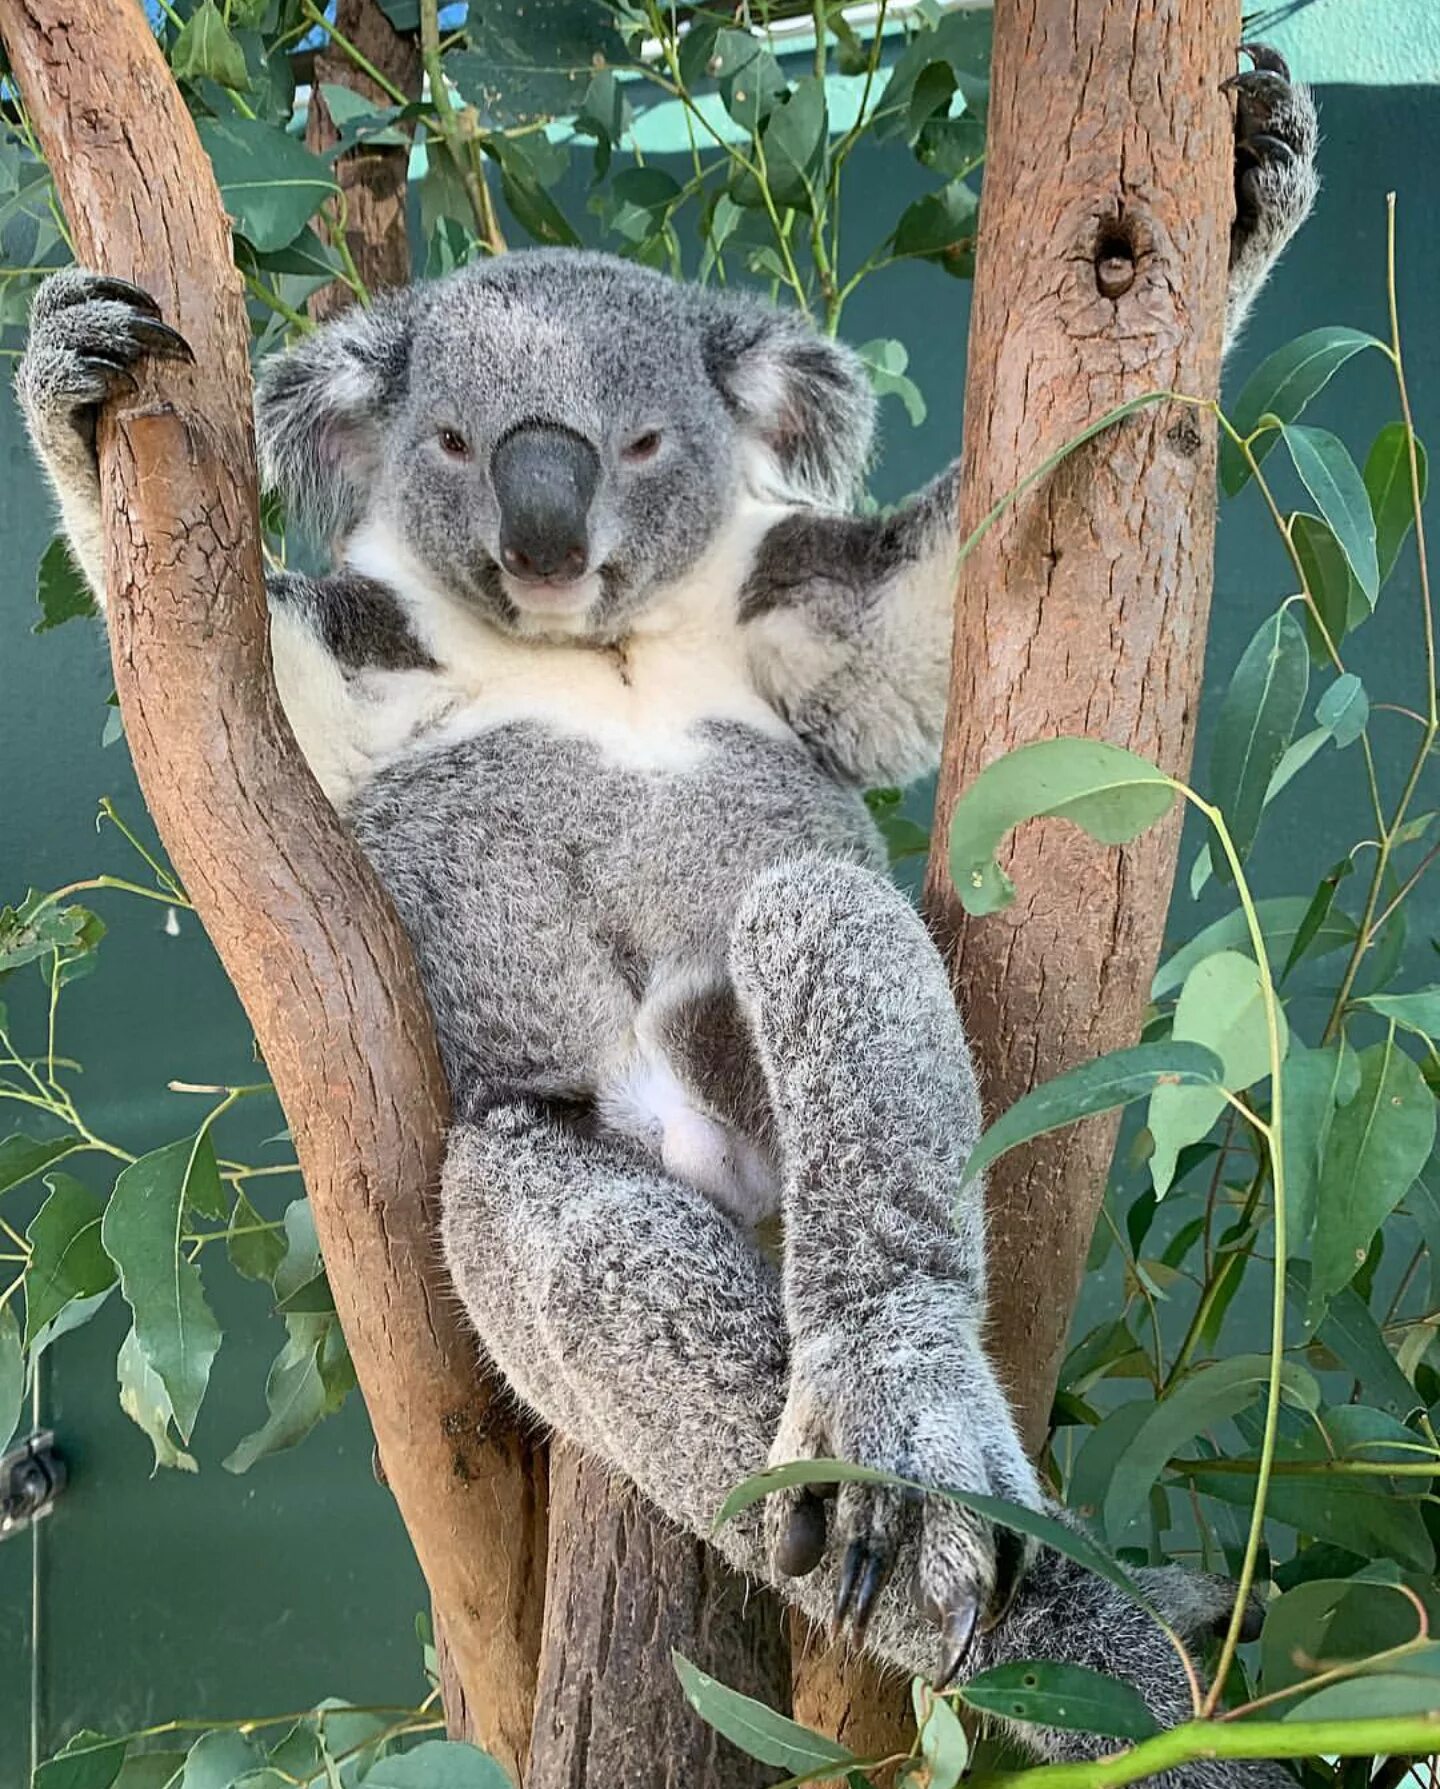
[(221, 1596)]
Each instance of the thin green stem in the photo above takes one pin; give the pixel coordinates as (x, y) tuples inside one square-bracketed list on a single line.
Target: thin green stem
[(1316, 1468), (1398, 361), (464, 151), (362, 62), (1198, 1740), (1273, 1132), (296, 319)]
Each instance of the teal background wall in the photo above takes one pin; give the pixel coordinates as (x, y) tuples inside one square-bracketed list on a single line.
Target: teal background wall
[(217, 1596)]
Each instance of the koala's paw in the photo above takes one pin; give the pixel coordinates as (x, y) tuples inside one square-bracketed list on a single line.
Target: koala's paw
[(941, 1421), (87, 332), (1276, 136)]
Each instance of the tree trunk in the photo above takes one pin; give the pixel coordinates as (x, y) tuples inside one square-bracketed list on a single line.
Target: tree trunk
[(301, 925), (1100, 275), (372, 177), (625, 1589)]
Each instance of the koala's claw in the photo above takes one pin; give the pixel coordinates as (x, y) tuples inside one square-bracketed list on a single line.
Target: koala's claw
[(88, 333), (958, 1628), (946, 1426), (864, 1573), (1276, 135), (1263, 57)]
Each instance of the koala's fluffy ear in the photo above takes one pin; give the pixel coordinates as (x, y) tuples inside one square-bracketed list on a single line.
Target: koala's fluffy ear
[(806, 399), (320, 409)]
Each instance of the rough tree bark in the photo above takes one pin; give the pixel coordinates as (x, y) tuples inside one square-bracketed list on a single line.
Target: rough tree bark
[(1085, 609), (372, 177), (1100, 275), (303, 929), (625, 1587)]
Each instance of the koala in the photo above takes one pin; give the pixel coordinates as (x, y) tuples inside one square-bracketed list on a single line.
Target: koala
[(606, 666)]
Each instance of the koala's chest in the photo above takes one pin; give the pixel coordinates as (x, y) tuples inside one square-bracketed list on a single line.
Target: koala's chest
[(642, 705)]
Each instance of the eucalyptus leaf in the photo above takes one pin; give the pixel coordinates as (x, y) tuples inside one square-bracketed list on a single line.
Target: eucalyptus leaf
[(67, 1260), (1377, 1146), (1353, 1336), (270, 184), (1312, 1083), (1418, 1012), (142, 1229), (1282, 385), (1110, 793), (218, 1759), (206, 47), (61, 589), (1097, 1086), (1330, 475), (885, 361), (22, 1157), (12, 1376), (1281, 918), (751, 80), (1198, 1403), (940, 227), (89, 1760), (1373, 1695), (1390, 487), (1048, 1694), (758, 1731), (295, 1396), (438, 1764), (1344, 709), (1222, 1007), (943, 1742), (1334, 589), (255, 1249), (1256, 724), (146, 1402)]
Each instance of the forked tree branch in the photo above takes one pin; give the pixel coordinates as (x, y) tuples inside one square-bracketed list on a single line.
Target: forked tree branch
[(305, 933)]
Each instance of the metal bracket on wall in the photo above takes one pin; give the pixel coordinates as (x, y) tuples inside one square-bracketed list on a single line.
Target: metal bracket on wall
[(32, 1476)]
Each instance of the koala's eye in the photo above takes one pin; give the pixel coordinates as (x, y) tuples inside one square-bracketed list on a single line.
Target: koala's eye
[(454, 444), (643, 447)]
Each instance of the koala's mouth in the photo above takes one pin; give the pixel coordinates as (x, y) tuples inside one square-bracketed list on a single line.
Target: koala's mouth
[(544, 596)]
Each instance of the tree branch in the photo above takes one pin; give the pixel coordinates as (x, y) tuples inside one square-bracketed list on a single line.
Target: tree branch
[(301, 925)]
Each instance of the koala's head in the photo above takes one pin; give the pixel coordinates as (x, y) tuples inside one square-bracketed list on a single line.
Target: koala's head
[(556, 437)]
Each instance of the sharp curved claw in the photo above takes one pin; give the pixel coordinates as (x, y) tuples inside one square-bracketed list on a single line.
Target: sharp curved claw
[(875, 1577), (88, 287), (803, 1545), (1267, 149), (1263, 57), (1009, 1569), (160, 339), (850, 1569), (957, 1631)]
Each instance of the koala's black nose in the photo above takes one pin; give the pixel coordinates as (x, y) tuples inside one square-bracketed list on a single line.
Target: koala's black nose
[(544, 479)]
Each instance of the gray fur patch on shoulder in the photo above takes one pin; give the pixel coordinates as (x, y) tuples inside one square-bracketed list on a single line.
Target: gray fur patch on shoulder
[(814, 549), (359, 620)]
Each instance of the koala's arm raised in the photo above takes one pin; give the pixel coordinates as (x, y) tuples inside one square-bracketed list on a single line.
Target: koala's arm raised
[(848, 621)]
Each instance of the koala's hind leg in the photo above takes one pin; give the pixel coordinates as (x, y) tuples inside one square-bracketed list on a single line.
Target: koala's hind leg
[(876, 1110), (639, 1321)]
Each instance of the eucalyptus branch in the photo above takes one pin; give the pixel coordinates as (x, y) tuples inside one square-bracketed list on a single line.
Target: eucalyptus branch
[(1200, 1740), (464, 151)]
